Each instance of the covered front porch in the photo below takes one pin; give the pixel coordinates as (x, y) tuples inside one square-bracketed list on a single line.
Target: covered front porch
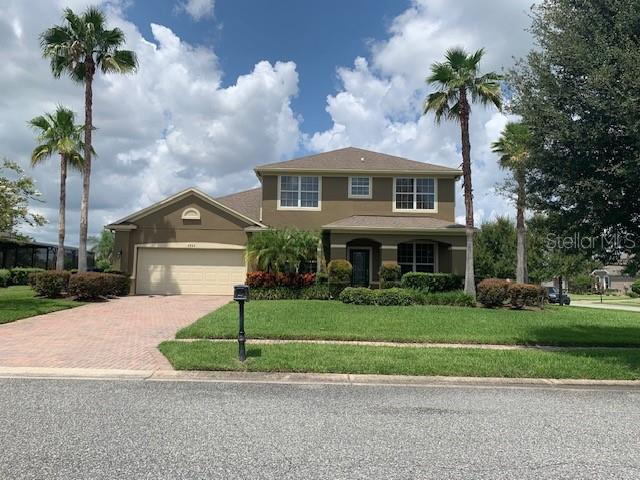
[(418, 251)]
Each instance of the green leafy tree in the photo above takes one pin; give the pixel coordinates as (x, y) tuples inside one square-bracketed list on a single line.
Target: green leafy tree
[(549, 259), (513, 148), (281, 250), (80, 47), (58, 134), (103, 248), (494, 249), (578, 94), (459, 83), (16, 191)]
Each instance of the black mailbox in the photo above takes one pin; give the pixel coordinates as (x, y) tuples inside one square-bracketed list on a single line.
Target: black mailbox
[(241, 293)]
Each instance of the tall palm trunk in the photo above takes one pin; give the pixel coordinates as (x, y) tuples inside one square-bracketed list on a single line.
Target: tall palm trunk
[(469, 277), (86, 172), (522, 275), (61, 213)]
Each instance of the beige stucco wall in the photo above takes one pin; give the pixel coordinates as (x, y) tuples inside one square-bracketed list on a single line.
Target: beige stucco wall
[(166, 225), (335, 203)]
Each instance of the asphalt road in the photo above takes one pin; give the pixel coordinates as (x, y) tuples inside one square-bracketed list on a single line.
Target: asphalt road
[(88, 429)]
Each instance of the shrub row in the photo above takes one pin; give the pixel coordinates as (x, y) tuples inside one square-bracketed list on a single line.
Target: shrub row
[(17, 276), (51, 284), (455, 298), (278, 279), (83, 286), (432, 282), (5, 277), (312, 292), (404, 297), (366, 296), (494, 292), (635, 287)]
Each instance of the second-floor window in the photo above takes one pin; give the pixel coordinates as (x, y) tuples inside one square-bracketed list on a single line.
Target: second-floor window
[(414, 194), (359, 187), (299, 192)]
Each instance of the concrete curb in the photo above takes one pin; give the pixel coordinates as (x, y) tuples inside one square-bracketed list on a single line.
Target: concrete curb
[(308, 378)]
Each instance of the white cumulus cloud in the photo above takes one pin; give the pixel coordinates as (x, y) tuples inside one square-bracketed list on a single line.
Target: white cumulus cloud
[(379, 103), (170, 126), (197, 9)]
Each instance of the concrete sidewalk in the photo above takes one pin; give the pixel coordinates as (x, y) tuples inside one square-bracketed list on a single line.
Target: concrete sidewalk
[(604, 306)]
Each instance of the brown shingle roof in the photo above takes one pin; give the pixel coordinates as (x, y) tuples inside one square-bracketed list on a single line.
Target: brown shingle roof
[(357, 159), (247, 202), (360, 222)]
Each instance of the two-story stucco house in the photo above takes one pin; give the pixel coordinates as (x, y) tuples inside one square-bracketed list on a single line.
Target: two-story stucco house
[(369, 208)]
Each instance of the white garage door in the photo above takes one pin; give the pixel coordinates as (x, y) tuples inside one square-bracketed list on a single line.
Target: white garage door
[(189, 271)]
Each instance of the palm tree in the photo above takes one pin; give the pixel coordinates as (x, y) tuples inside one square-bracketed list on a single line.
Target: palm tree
[(513, 147), (58, 133), (280, 250), (457, 79), (80, 47)]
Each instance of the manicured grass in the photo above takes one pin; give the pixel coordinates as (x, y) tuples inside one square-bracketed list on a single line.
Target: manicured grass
[(619, 364), (21, 302), (607, 299), (305, 319)]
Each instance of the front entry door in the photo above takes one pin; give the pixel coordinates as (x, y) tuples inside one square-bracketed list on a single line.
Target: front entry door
[(359, 259)]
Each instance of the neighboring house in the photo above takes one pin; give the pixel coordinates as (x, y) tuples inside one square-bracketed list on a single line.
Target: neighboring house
[(16, 253), (368, 206), (611, 277)]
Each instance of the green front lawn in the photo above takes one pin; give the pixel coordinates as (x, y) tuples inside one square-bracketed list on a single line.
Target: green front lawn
[(21, 302), (619, 364), (306, 319)]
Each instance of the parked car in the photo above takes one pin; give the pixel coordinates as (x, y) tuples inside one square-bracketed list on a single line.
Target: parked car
[(553, 296)]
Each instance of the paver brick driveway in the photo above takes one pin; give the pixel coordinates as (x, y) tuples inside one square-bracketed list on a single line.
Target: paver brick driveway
[(118, 334)]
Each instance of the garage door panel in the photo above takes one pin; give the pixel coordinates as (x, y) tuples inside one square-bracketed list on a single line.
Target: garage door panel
[(189, 271)]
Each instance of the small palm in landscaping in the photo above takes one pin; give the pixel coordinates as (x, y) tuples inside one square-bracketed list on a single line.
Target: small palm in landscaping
[(281, 250)]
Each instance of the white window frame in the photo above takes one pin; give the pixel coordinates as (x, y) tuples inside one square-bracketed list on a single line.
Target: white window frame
[(415, 196), (352, 195), (414, 263), (318, 208)]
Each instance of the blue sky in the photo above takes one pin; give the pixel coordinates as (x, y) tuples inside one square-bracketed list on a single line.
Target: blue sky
[(225, 85), (318, 36)]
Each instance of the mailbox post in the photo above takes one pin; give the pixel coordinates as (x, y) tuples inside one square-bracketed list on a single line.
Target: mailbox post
[(241, 295)]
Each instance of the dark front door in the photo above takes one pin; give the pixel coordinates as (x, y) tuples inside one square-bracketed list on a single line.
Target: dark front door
[(359, 259)]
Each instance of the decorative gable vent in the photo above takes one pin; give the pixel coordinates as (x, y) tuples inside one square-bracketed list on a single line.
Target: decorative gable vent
[(191, 214)]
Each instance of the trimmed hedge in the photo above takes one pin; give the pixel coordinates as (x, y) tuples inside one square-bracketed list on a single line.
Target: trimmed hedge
[(386, 297), (525, 295), (339, 272), (51, 283), (432, 282), (95, 285), (313, 292), (278, 279), (5, 277), (389, 275), (635, 287), (493, 292), (20, 275), (456, 298)]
